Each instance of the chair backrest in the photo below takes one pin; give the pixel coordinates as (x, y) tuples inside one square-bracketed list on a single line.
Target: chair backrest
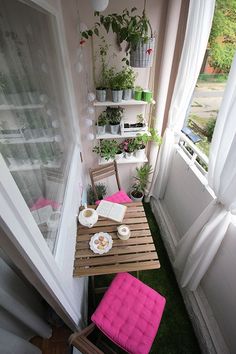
[(101, 172)]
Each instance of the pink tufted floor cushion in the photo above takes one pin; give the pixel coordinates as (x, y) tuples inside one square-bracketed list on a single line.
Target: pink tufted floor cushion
[(130, 313), (118, 197)]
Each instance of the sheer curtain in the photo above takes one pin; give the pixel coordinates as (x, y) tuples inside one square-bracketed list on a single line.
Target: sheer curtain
[(197, 33), (35, 133), (200, 244)]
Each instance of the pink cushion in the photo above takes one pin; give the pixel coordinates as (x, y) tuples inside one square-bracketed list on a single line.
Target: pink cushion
[(42, 202), (118, 197), (130, 313)]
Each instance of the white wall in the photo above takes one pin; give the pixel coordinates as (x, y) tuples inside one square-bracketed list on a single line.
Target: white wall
[(185, 199)]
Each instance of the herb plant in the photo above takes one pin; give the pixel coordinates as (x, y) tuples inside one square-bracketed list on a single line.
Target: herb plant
[(114, 115)]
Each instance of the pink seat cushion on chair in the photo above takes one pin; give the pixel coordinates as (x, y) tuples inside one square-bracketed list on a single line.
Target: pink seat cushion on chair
[(118, 197), (130, 313)]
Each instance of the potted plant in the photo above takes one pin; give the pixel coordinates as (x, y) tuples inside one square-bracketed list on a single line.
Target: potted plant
[(114, 116), (101, 192), (101, 123), (105, 73), (107, 150), (141, 182), (129, 77), (129, 147), (119, 151), (147, 95), (141, 141), (128, 26), (138, 93), (116, 85)]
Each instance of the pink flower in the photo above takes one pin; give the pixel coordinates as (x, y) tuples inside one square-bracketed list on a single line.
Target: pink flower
[(82, 42), (149, 51)]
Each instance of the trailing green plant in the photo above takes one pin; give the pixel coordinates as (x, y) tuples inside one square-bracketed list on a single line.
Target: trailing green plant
[(128, 26), (141, 180), (129, 77), (101, 190), (114, 115), (142, 139), (210, 126), (102, 119), (107, 149)]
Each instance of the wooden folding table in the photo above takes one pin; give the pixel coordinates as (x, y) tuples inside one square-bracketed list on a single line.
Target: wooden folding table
[(135, 254)]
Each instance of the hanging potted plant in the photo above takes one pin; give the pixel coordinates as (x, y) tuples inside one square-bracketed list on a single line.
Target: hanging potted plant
[(114, 116), (129, 77), (101, 123), (141, 182), (128, 26), (106, 150)]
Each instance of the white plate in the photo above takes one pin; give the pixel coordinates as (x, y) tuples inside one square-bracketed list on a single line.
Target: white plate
[(101, 242)]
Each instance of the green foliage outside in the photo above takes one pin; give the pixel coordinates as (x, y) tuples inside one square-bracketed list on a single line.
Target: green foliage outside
[(223, 35)]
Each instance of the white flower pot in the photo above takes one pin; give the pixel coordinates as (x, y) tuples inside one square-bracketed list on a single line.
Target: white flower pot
[(129, 155), (136, 199), (140, 154), (119, 156), (127, 94), (101, 95)]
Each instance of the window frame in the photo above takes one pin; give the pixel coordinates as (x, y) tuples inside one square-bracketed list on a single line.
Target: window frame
[(53, 272)]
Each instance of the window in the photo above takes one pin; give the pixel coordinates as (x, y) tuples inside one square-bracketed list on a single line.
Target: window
[(36, 138), (207, 97)]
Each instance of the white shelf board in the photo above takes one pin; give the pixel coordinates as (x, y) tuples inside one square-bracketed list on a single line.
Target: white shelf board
[(123, 135), (31, 166), (131, 102), (6, 107), (30, 141), (123, 160)]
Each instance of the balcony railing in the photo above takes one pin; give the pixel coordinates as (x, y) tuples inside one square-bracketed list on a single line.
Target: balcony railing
[(196, 156)]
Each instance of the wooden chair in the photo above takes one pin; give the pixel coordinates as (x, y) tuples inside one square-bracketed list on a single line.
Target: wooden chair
[(101, 172)]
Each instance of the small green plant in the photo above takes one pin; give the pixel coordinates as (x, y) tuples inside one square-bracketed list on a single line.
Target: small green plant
[(138, 89), (114, 115), (107, 149), (129, 145), (101, 190), (210, 126), (117, 81), (129, 77), (102, 119), (142, 139), (141, 180), (140, 118)]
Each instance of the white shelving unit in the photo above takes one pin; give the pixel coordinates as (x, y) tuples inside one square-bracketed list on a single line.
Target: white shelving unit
[(122, 135), (131, 102)]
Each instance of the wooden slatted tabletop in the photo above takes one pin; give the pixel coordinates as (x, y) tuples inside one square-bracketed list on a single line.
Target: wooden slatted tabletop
[(136, 253)]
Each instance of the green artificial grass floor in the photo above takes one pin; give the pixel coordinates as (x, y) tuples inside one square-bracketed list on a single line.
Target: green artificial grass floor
[(175, 334)]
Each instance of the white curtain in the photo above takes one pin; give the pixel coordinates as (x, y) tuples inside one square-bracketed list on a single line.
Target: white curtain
[(21, 313), (200, 244), (197, 33), (35, 132)]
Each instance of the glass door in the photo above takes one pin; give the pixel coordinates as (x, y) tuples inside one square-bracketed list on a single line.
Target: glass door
[(36, 137)]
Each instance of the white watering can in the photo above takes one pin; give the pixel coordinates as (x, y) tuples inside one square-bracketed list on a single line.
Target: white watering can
[(88, 217)]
